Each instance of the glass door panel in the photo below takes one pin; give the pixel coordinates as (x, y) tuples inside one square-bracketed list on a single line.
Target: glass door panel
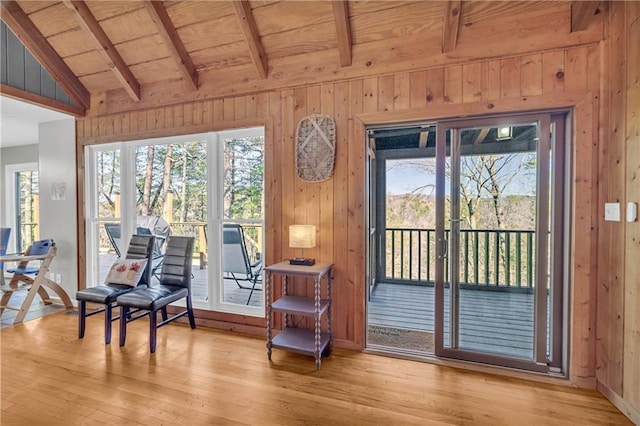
[(494, 216)]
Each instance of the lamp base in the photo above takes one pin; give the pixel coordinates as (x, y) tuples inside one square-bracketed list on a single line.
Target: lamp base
[(302, 261)]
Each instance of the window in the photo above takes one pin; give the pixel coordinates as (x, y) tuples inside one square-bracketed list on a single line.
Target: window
[(188, 185)]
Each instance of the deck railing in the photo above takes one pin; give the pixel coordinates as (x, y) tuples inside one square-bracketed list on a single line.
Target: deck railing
[(492, 258)]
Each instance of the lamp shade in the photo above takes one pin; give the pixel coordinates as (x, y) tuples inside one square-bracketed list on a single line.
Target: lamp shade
[(302, 236)]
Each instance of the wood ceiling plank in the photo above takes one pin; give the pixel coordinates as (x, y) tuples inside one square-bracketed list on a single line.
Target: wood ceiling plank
[(33, 39), (33, 6), (400, 21), (102, 82), (209, 34), (475, 11), (299, 14), (163, 69), (128, 26), (53, 20), (248, 26), (451, 25), (143, 49), (582, 14), (71, 43), (109, 9), (186, 13), (228, 55), (173, 42), (87, 63), (104, 45), (343, 31), (300, 41)]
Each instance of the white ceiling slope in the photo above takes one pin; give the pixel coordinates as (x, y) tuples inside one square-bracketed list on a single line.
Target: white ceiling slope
[(19, 121)]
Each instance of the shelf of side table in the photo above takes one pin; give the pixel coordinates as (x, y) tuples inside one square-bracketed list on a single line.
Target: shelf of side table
[(308, 342)]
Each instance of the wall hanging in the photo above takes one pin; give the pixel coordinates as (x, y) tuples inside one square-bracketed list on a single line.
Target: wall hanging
[(315, 147)]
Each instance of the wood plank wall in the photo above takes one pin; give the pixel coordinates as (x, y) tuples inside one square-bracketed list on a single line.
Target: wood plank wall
[(336, 206), (618, 291)]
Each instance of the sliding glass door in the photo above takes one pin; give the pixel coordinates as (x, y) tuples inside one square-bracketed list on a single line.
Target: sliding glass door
[(500, 245)]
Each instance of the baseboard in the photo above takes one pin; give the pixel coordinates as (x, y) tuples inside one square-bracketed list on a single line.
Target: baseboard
[(622, 405)]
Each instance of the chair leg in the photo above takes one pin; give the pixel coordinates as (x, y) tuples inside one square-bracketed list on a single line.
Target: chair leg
[(82, 319), (163, 310), (192, 320), (107, 323), (153, 330), (124, 314)]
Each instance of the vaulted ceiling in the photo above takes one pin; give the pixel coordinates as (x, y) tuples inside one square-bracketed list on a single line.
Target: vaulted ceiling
[(126, 46)]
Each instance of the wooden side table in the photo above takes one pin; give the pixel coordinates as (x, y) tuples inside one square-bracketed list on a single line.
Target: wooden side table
[(308, 342)]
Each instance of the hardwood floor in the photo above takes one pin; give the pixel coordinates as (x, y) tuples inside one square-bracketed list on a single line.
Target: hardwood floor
[(206, 376)]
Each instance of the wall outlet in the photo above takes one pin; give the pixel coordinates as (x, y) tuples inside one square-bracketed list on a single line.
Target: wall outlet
[(612, 212)]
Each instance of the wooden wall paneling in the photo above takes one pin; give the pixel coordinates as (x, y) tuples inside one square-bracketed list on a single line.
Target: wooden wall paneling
[(583, 303), (435, 86), (341, 213), (196, 111), (312, 189), (207, 112), (356, 232), (386, 87), (327, 188), (218, 110), (418, 92), (251, 106), (510, 77), (187, 110), (401, 91), (472, 82), (229, 109), (453, 84), (124, 122), (611, 289), (178, 116), (490, 80), (531, 75), (632, 249), (553, 71), (370, 94), (240, 108), (262, 105), (576, 69)]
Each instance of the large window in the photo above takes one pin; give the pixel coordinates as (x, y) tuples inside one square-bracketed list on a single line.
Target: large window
[(22, 205), (189, 185)]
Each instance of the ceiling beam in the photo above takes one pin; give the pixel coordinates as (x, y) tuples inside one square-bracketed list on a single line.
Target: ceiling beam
[(32, 38), (481, 136), (343, 31), (92, 28), (582, 13), (451, 25), (250, 30), (172, 40), (41, 101)]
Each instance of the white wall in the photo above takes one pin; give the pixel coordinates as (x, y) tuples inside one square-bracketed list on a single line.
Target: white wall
[(57, 168)]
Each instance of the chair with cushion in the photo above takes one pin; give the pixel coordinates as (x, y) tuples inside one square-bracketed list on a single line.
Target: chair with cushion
[(235, 259), (175, 284), (140, 248), (25, 273)]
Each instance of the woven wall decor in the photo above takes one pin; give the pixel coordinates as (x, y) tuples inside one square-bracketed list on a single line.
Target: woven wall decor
[(315, 147)]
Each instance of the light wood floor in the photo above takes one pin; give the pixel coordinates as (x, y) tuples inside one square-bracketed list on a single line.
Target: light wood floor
[(206, 376)]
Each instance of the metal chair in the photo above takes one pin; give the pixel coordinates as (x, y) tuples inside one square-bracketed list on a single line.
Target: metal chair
[(175, 284), (140, 247), (235, 259)]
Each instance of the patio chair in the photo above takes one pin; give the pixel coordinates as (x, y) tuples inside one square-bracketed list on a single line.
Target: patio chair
[(175, 284), (140, 247), (24, 275), (235, 259)]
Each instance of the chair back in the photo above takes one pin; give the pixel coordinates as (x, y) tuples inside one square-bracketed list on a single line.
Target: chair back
[(141, 247), (178, 259), (4, 242), (235, 258), (39, 247), (115, 237)]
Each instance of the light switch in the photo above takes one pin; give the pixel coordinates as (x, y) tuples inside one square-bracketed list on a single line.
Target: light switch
[(632, 212), (612, 212)]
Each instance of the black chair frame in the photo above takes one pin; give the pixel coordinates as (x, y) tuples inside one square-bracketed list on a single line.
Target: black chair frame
[(175, 284), (140, 247)]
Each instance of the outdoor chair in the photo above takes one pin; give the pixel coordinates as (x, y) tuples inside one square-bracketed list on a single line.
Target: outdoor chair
[(175, 284), (236, 262), (140, 247), (25, 272)]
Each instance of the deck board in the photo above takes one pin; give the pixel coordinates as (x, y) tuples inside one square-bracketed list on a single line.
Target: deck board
[(490, 321)]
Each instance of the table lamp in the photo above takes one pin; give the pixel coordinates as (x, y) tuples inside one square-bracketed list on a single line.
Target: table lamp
[(302, 237)]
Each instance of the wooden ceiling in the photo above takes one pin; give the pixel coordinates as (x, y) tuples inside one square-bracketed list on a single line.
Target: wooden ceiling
[(104, 46)]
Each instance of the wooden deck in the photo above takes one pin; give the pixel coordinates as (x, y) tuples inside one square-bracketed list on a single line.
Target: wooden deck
[(490, 321)]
